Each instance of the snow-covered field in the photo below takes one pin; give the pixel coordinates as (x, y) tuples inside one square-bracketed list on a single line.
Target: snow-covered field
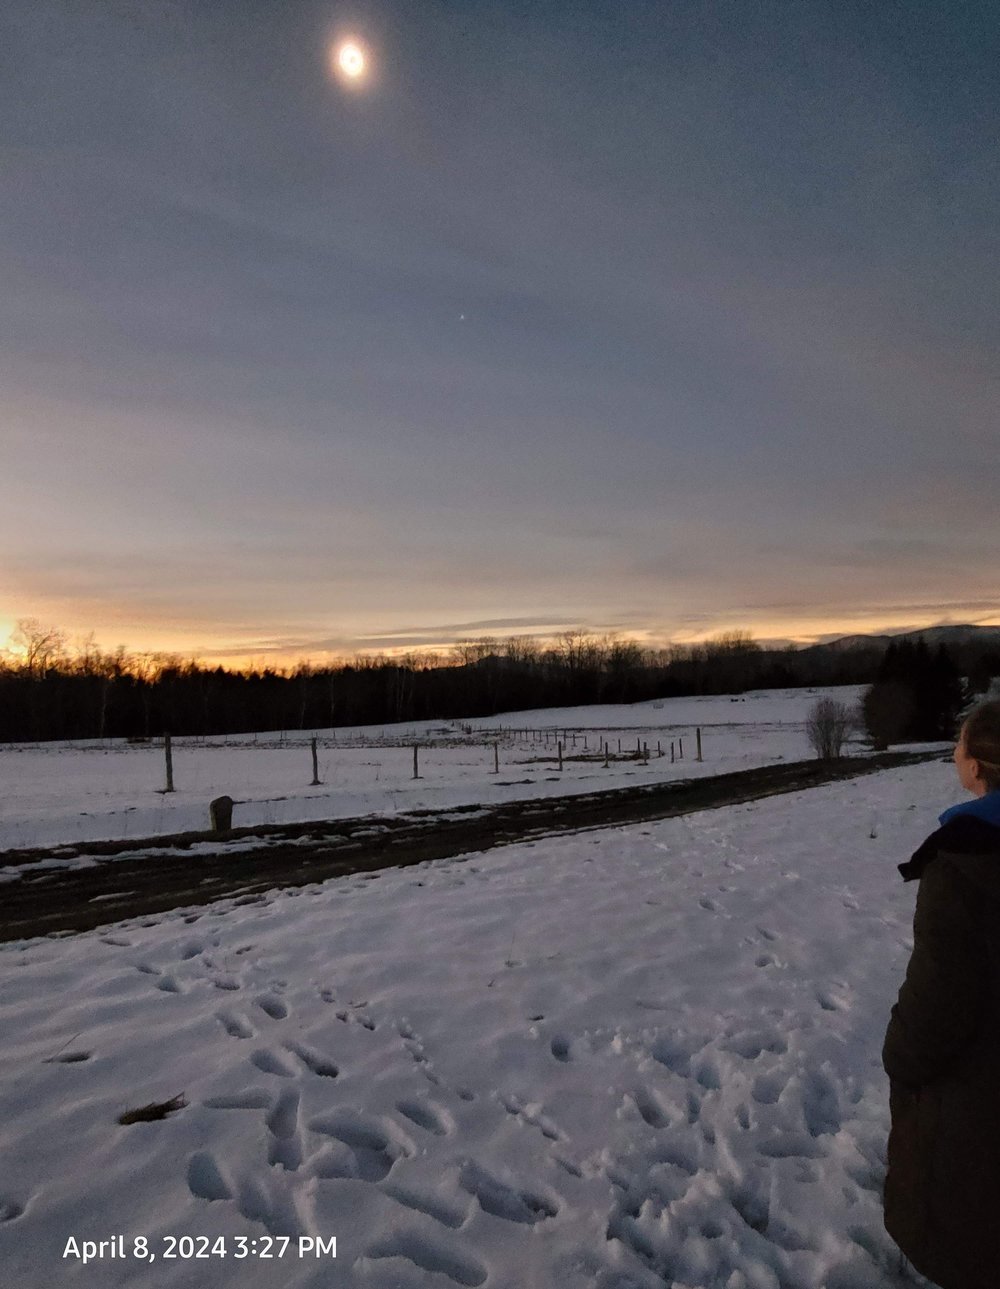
[(624, 1059), (53, 793)]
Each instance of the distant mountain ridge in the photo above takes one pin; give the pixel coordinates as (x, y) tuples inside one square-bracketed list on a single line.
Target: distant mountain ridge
[(933, 636)]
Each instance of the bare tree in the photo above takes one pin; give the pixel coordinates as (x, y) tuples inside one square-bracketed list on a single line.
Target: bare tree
[(41, 646), (827, 726)]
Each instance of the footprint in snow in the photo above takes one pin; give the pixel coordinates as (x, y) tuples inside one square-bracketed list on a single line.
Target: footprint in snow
[(314, 1061), (767, 1088), (651, 1110), (205, 1178), (430, 1257), (513, 1204), (67, 1058), (285, 1146), (835, 998), (751, 1044), (253, 1201), (532, 1115), (789, 1145), (271, 1062), (674, 1053), (682, 1151), (431, 1118), (168, 985), (9, 1209), (560, 1048), (361, 1017), (235, 1024), (374, 1148), (820, 1103), (448, 1214), (274, 1006), (708, 904), (706, 1073)]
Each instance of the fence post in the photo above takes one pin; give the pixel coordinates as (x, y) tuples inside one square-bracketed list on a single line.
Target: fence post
[(680, 744), (496, 758), (315, 778), (671, 752), (416, 773), (698, 732), (560, 758), (168, 753), (605, 754)]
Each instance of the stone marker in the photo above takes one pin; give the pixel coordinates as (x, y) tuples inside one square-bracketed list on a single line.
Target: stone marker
[(221, 812)]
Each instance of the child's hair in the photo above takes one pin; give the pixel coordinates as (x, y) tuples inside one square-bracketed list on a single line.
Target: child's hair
[(981, 730)]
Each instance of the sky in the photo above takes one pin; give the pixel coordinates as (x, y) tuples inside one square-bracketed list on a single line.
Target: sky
[(656, 319)]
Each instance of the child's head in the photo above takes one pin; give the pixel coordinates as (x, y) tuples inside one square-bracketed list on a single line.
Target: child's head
[(977, 752)]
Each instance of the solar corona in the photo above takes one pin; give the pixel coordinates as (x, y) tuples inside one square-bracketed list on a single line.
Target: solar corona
[(350, 61)]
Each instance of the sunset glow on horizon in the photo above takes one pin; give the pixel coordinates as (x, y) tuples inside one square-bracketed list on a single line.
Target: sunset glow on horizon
[(384, 328)]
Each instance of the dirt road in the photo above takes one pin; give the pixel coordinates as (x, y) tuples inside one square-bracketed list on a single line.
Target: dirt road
[(47, 899)]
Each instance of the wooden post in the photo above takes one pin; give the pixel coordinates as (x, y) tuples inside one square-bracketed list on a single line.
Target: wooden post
[(659, 750), (496, 758), (619, 747), (315, 778), (680, 744), (698, 733), (416, 773), (645, 752), (560, 758), (168, 753), (638, 747), (671, 753), (605, 754)]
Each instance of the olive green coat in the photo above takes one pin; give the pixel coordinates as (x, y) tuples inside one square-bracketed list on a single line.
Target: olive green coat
[(942, 1055)]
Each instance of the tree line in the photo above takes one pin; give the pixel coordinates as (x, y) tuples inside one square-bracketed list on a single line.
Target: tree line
[(51, 691)]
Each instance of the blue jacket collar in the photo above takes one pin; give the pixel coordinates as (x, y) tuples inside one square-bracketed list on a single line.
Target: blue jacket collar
[(986, 808)]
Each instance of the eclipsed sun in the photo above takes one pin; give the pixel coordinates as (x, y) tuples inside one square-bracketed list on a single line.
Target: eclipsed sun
[(350, 60)]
